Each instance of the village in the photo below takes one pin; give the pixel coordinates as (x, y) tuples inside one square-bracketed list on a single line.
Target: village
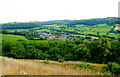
[(49, 36)]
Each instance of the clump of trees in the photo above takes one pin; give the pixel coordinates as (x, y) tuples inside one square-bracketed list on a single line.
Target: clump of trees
[(91, 22), (98, 51), (19, 25)]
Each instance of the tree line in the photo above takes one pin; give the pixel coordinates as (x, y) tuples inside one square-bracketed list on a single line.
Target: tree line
[(99, 51)]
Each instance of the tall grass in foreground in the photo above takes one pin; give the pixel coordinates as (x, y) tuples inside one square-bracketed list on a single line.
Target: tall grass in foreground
[(25, 67)]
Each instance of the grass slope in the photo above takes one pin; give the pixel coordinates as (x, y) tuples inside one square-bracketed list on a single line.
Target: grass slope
[(36, 67), (12, 37)]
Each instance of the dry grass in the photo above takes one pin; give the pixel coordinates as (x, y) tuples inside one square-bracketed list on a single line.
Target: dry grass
[(33, 67), (0, 65)]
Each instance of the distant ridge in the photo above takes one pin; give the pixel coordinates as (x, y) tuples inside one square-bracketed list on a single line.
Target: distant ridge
[(90, 22)]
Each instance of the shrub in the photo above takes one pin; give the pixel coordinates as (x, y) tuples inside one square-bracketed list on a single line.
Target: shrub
[(112, 68), (86, 66), (46, 62), (83, 66), (61, 60)]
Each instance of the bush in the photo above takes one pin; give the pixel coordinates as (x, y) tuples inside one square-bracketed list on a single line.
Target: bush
[(112, 68), (83, 66), (46, 62), (61, 60)]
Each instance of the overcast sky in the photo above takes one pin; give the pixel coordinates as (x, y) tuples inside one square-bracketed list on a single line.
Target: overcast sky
[(44, 10)]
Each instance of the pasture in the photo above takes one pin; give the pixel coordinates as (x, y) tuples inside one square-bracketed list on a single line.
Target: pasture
[(12, 37), (100, 29)]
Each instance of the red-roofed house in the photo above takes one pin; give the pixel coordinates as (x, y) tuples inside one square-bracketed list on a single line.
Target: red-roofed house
[(117, 28)]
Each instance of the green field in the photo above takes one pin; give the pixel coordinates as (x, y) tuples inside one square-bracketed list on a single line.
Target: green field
[(113, 35), (42, 30), (12, 37), (18, 30), (100, 29)]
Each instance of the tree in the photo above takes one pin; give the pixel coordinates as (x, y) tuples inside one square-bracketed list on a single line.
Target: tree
[(54, 53), (18, 51), (103, 49), (41, 45), (82, 52), (31, 52), (98, 33), (115, 52)]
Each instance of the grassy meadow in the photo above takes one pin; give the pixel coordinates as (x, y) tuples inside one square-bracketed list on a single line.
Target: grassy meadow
[(12, 37)]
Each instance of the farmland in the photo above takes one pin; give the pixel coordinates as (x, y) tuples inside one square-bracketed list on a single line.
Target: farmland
[(12, 37), (77, 47), (92, 31)]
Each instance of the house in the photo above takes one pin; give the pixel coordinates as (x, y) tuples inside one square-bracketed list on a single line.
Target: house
[(117, 28)]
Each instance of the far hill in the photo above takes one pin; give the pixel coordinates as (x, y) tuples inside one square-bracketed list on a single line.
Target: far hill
[(90, 22)]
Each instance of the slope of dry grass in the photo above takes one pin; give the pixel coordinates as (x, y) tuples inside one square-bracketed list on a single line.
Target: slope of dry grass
[(36, 67)]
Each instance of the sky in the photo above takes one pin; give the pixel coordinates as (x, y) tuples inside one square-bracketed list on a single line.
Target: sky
[(45, 10)]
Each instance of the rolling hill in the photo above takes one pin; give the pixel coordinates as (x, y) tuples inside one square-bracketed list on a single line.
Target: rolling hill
[(90, 27)]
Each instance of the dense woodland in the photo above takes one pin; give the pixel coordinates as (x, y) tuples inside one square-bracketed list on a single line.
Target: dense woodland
[(99, 51)]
